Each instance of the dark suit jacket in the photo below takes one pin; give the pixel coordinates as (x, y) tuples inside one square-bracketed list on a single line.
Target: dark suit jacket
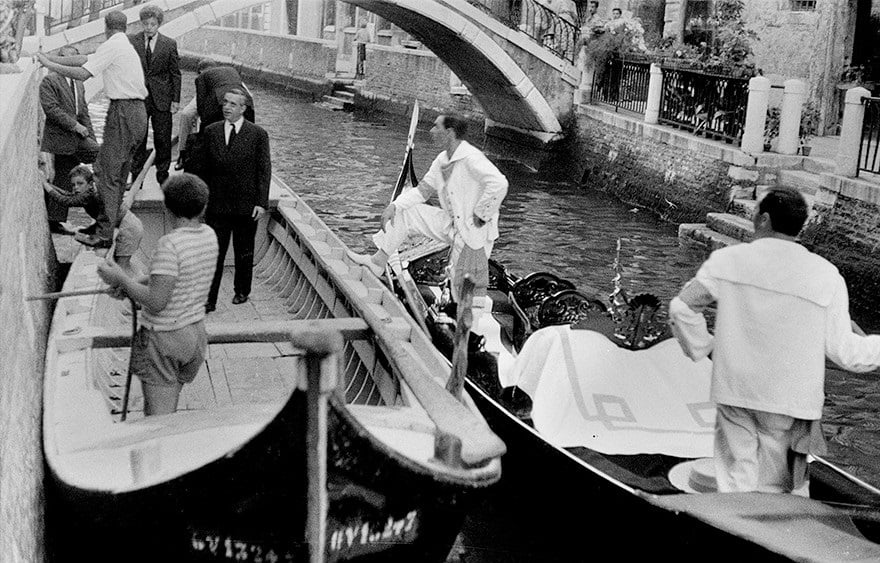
[(238, 176), (163, 73), (211, 85), (61, 115)]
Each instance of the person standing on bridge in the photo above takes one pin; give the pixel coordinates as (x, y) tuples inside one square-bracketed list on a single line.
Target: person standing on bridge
[(161, 64), (781, 311), (470, 189), (126, 122)]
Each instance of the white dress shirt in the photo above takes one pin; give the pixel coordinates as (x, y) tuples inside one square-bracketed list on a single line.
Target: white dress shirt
[(227, 127), (120, 66)]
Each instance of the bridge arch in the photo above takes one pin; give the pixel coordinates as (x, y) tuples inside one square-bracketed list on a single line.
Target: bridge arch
[(449, 28)]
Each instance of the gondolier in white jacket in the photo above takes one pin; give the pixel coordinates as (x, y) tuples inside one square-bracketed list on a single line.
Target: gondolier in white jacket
[(470, 189), (781, 311)]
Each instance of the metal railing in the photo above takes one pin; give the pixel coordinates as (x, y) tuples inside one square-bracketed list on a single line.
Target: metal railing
[(869, 147), (710, 104), (623, 84), (538, 22), (66, 11)]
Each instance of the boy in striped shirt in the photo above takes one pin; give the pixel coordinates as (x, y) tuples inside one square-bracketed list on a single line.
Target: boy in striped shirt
[(170, 346)]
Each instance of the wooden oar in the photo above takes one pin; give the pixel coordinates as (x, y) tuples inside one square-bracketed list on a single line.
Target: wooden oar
[(463, 322), (62, 294), (134, 328)]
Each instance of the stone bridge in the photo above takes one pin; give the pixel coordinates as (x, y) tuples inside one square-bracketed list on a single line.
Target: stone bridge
[(522, 87)]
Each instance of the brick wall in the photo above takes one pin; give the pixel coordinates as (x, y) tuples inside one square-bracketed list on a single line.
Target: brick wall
[(25, 252), (680, 185)]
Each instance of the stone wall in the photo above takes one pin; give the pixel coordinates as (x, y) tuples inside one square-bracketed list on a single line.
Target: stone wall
[(394, 77), (676, 175), (299, 63), (25, 253)]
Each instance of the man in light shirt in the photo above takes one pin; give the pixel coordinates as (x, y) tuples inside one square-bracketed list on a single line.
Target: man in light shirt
[(781, 310), (126, 122), (470, 189)]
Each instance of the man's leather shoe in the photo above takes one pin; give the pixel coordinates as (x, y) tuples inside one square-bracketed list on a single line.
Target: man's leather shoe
[(181, 160), (239, 299), (90, 230), (93, 241), (58, 228), (210, 307), (161, 177)]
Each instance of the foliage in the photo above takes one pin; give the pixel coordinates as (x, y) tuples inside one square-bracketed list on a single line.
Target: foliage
[(771, 125), (727, 48), (619, 37), (809, 122)]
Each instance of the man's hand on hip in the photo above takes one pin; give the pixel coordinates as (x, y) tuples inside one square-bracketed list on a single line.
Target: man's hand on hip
[(388, 214), (477, 221), (81, 130), (175, 106), (257, 213)]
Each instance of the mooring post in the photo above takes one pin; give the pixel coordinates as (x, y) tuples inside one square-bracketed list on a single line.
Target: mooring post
[(322, 369)]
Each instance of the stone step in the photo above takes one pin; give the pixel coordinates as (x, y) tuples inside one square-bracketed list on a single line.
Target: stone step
[(743, 207), (801, 180), (336, 102), (344, 94), (691, 234), (819, 165), (733, 226)]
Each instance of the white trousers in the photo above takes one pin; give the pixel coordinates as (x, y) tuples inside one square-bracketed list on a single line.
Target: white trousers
[(760, 451)]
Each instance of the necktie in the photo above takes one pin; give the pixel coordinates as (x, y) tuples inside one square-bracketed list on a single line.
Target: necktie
[(231, 136), (73, 93), (149, 53)]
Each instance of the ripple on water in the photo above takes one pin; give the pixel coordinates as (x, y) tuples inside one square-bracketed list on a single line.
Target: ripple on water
[(344, 165)]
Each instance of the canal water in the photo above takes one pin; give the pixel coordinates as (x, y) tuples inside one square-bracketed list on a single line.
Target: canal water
[(344, 164)]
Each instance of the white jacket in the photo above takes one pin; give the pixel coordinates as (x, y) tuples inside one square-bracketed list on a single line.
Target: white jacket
[(467, 184)]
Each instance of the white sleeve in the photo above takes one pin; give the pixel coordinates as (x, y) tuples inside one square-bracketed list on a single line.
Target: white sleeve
[(689, 325), (845, 348), (97, 62)]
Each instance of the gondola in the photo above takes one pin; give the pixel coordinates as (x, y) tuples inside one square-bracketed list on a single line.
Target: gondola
[(225, 478), (609, 429)]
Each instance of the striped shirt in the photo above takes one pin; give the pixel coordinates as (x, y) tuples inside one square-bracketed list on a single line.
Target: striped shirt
[(190, 255)]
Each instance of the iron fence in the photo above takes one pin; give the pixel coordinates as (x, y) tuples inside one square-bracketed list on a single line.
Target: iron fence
[(538, 22), (869, 148), (67, 11), (623, 84), (710, 104)]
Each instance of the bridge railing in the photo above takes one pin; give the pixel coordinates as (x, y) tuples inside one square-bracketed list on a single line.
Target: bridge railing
[(538, 22), (869, 148), (623, 83)]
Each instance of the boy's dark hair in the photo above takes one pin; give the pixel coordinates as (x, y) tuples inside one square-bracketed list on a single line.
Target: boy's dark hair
[(148, 12), (457, 123), (787, 209), (186, 195), (205, 64), (83, 171), (116, 21)]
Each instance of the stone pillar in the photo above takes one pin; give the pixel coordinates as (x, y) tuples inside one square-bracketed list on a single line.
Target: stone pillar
[(673, 19), (655, 86), (756, 115), (278, 17), (310, 18), (847, 161), (790, 116)]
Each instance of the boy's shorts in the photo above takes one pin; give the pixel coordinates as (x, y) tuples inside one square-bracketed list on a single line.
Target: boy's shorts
[(129, 236), (169, 357)]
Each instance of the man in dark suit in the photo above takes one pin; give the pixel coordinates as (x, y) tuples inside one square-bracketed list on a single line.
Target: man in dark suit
[(161, 64), (233, 159), (68, 133), (211, 85)]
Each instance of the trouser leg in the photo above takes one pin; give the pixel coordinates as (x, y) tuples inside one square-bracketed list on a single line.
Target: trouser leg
[(223, 231), (777, 460), (736, 450), (139, 159), (427, 220), (162, 141), (124, 127), (243, 233)]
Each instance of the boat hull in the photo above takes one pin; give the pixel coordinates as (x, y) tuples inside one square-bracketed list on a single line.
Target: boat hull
[(250, 505)]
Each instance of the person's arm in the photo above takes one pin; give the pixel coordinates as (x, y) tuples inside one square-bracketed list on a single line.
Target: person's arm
[(494, 189), (65, 198), (264, 175), (174, 63), (687, 321), (843, 344), (83, 116), (70, 66), (55, 113), (153, 295)]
